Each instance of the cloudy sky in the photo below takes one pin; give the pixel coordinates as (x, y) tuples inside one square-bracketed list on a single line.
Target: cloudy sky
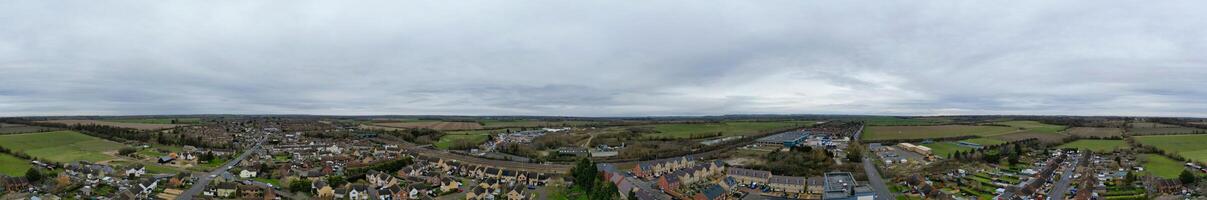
[(603, 58)]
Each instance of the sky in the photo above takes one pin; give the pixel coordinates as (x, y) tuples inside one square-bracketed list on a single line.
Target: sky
[(604, 58)]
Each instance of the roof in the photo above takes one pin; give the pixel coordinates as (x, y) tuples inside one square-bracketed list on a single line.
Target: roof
[(713, 191), (734, 171), (789, 180)]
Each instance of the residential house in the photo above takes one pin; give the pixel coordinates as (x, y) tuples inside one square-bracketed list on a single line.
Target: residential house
[(247, 174), (358, 192), (449, 184), (146, 187), (711, 192), (226, 189), (517, 193), (791, 184)]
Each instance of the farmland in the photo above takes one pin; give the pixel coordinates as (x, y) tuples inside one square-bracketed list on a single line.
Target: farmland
[(1042, 137), (60, 146), (1188, 146), (1161, 166), (530, 123), (1149, 128), (1034, 126), (438, 125), (1096, 145), (985, 141), (899, 121), (1095, 132), (922, 132), (945, 149), (139, 126), (12, 166), (193, 120), (20, 128), (724, 128)]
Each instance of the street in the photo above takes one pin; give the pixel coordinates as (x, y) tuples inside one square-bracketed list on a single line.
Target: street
[(204, 180), (1062, 187), (875, 181)]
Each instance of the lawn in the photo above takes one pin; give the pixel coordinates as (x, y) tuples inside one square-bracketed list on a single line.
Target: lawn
[(1161, 166), (60, 146), (922, 132), (724, 128), (1035, 126), (985, 141), (945, 149), (193, 120), (1190, 147), (1096, 145), (13, 166), (449, 139)]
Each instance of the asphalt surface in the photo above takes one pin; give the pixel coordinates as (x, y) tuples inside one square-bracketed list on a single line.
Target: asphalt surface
[(1062, 187), (875, 181), (201, 182)]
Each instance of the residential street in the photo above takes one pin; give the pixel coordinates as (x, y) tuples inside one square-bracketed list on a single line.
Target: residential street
[(203, 181), (875, 181)]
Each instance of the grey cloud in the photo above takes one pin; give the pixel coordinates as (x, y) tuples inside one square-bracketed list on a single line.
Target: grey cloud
[(602, 58)]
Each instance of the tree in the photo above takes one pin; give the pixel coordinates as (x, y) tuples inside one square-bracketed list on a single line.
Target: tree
[(33, 175), (632, 195), (299, 185), (1187, 177), (63, 180), (336, 181), (126, 151), (854, 152)]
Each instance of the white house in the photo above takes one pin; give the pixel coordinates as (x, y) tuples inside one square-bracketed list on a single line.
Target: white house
[(247, 174), (136, 172)]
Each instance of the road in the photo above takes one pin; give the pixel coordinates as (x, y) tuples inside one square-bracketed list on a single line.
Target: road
[(204, 180), (1062, 187), (877, 182), (411, 148)]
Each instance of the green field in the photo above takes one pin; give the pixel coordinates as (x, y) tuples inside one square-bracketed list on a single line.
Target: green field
[(449, 139), (901, 121), (1161, 166), (158, 120), (725, 128), (945, 149), (922, 132), (1191, 147), (1035, 126), (13, 166), (60, 146), (530, 123), (1096, 145), (985, 141)]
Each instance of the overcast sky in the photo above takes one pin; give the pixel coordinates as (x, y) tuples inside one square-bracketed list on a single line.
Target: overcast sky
[(603, 58)]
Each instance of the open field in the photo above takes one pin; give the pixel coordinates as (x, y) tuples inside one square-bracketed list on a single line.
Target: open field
[(116, 124), (20, 128), (530, 123), (899, 121), (1161, 166), (449, 139), (945, 149), (1193, 147), (1043, 137), (193, 120), (922, 132), (438, 125), (1034, 126), (985, 141), (1095, 132), (13, 166), (1150, 125), (725, 128), (61, 146), (1096, 145)]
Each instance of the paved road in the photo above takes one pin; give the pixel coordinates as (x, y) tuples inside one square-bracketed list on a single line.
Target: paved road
[(532, 167), (201, 182), (1062, 187), (874, 180)]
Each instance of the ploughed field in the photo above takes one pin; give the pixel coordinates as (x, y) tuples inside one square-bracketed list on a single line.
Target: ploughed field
[(1095, 132), (140, 126), (923, 132), (438, 125), (1149, 128), (61, 146), (1193, 147)]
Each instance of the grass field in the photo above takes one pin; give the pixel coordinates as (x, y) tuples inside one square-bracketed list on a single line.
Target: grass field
[(1193, 147), (945, 149), (902, 121), (725, 128), (449, 139), (922, 132), (60, 146), (1034, 126), (1096, 145), (1161, 166), (13, 166), (1050, 138), (985, 141), (193, 120), (1150, 125), (1095, 132), (17, 128)]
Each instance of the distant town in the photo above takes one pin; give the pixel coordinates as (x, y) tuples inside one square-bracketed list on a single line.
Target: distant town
[(822, 157)]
